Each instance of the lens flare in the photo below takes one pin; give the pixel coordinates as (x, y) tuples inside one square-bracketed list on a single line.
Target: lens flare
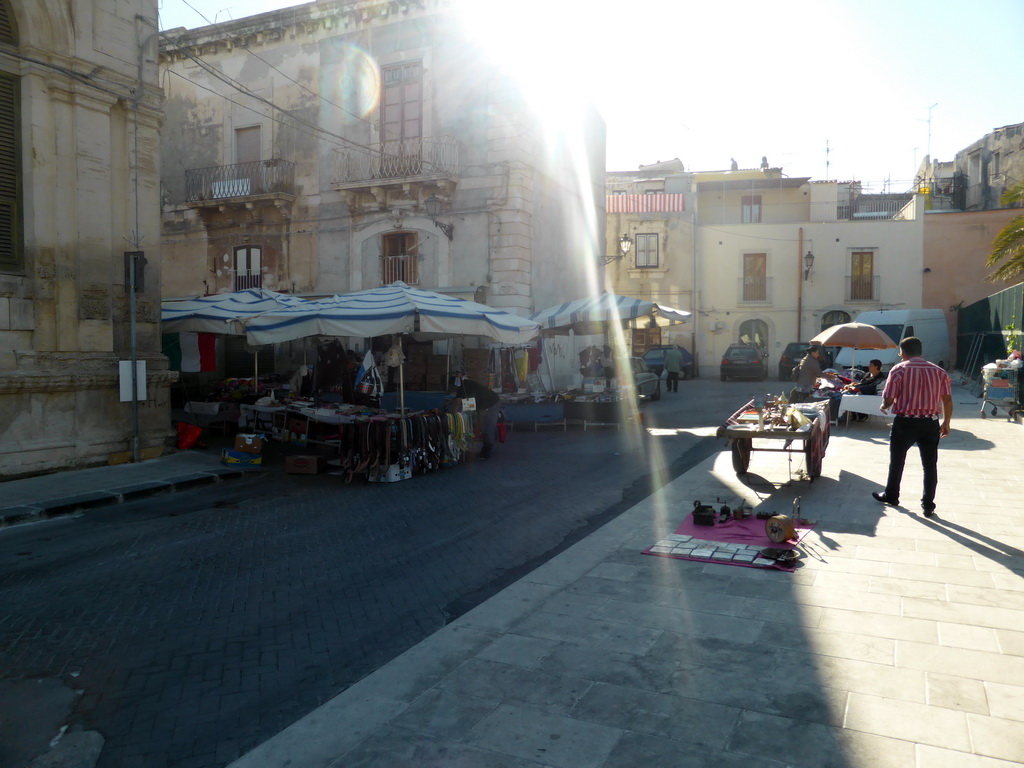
[(354, 85)]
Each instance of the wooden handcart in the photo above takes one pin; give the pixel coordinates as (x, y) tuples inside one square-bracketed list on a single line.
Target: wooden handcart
[(744, 427)]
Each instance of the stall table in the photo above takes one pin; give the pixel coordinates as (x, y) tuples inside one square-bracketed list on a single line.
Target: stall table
[(866, 404), (742, 429)]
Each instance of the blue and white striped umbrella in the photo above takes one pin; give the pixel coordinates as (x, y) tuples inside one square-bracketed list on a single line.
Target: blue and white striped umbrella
[(608, 307), (214, 314), (391, 309)]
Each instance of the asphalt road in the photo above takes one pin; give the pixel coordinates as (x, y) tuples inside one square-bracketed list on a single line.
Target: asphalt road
[(184, 630)]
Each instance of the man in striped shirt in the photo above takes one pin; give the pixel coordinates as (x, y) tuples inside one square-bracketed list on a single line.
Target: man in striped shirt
[(919, 394)]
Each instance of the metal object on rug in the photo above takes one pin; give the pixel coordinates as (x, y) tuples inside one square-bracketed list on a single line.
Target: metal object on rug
[(780, 528), (783, 556), (703, 514)]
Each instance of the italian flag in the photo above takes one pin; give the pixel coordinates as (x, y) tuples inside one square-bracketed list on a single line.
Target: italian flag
[(191, 352)]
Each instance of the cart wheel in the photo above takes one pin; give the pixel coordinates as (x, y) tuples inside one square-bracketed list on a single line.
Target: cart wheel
[(741, 454)]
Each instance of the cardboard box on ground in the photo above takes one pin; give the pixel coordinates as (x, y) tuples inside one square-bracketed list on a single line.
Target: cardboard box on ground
[(248, 443), (305, 465)]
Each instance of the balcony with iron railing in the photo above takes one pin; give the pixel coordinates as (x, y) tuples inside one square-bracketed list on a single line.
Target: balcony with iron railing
[(223, 183), (402, 267), (754, 290), (866, 288), (244, 280), (396, 161)]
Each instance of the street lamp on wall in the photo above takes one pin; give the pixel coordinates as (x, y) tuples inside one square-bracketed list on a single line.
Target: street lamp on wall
[(625, 244), (433, 206), (808, 265)]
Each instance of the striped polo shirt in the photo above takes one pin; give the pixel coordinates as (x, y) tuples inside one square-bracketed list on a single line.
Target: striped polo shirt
[(916, 388)]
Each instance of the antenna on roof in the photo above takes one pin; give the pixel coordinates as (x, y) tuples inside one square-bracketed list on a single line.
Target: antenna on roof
[(826, 159)]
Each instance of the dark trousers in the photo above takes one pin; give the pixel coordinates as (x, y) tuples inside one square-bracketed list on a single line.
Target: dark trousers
[(672, 381), (489, 428), (904, 433)]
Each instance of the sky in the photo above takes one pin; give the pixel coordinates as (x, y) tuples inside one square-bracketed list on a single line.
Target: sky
[(822, 88)]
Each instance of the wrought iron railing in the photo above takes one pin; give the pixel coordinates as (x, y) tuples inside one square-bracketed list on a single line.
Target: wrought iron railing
[(402, 267), (864, 288), (246, 280), (221, 182), (754, 290), (406, 158)]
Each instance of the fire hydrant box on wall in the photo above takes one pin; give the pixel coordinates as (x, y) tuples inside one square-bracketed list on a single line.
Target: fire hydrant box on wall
[(249, 443), (304, 465)]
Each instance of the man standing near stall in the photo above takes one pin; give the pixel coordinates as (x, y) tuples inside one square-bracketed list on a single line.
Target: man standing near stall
[(487, 405), (920, 394)]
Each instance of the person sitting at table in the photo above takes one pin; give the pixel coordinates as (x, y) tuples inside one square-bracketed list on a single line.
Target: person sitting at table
[(868, 385)]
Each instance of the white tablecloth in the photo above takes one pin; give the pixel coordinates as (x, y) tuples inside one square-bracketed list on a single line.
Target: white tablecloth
[(258, 416), (867, 404)]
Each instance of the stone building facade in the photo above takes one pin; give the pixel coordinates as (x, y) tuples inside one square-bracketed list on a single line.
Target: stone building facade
[(79, 186), (735, 252), (339, 146)]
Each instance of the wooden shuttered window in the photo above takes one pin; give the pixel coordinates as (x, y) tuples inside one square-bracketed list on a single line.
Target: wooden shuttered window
[(10, 174)]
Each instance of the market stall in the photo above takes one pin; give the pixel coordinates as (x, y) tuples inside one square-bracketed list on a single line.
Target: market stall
[(593, 378), (391, 444), (803, 428)]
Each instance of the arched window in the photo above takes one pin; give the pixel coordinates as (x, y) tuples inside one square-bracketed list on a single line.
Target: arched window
[(835, 317), (11, 255), (754, 332)]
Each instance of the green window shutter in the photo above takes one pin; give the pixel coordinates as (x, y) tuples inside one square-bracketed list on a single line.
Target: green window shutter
[(8, 30), (10, 186)]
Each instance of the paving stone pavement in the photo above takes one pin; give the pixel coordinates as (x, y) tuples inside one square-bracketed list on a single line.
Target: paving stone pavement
[(193, 626), (898, 642)]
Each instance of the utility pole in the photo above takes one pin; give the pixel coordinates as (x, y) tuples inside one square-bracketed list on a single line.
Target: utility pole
[(933, 106)]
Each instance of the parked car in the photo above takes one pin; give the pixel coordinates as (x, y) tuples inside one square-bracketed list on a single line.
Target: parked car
[(648, 385), (793, 354), (743, 360), (655, 359)]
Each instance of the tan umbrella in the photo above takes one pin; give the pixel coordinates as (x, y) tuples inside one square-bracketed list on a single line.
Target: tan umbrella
[(855, 335)]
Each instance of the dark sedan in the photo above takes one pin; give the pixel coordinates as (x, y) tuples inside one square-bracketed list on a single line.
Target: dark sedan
[(743, 361)]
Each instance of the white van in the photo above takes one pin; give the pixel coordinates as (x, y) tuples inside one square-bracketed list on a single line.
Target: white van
[(929, 325)]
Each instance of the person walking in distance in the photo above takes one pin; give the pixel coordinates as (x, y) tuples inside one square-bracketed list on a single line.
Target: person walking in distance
[(919, 394), (673, 365)]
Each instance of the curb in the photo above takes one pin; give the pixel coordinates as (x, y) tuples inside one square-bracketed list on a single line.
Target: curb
[(69, 505)]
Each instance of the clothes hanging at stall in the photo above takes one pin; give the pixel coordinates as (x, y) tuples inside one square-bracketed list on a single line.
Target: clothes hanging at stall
[(433, 440)]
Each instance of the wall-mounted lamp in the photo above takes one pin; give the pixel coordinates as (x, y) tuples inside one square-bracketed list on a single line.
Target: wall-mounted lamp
[(433, 206), (808, 265), (625, 244)]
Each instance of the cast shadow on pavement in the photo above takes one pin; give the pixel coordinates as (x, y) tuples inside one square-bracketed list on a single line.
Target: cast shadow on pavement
[(993, 549)]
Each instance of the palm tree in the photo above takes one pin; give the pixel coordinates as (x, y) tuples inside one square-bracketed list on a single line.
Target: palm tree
[(1008, 247)]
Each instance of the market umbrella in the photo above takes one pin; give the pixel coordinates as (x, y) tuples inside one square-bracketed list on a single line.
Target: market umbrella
[(391, 309), (608, 307), (213, 314), (855, 335), (218, 313)]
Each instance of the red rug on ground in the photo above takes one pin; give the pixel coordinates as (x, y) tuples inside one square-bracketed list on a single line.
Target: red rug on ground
[(736, 542)]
